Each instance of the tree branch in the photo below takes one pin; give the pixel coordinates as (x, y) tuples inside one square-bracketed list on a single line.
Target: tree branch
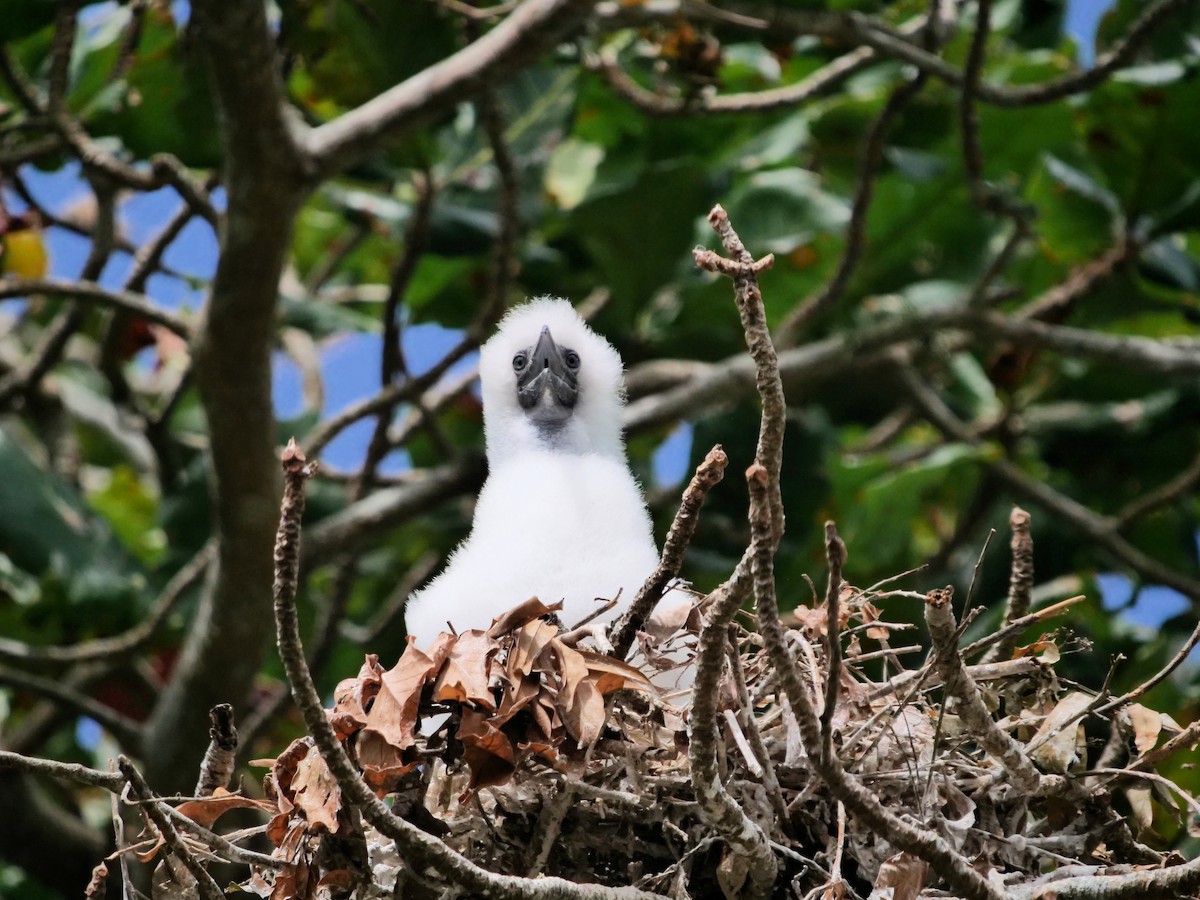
[(529, 31), (264, 176)]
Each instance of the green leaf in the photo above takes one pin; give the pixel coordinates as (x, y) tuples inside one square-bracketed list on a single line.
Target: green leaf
[(781, 209)]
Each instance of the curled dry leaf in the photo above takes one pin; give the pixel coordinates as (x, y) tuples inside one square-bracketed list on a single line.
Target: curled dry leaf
[(901, 877), (1056, 742), (1147, 725), (205, 811)]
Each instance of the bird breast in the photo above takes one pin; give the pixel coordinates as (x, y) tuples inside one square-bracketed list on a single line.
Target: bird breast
[(558, 526)]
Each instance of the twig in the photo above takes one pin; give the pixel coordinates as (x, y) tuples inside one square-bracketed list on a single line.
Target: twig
[(135, 303), (766, 521), (748, 296), (745, 713), (127, 732), (1020, 582), (414, 576), (209, 890), (220, 844), (716, 806), (1172, 490), (119, 837), (943, 631), (1098, 529), (217, 767), (62, 771), (528, 31), (856, 229), (708, 475), (860, 802), (835, 557), (808, 88)]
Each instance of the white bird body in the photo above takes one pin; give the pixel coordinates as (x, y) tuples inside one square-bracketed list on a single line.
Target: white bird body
[(560, 517)]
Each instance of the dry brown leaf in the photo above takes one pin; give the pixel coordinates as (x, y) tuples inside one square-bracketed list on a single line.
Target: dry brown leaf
[(529, 643), (610, 674), (393, 716), (487, 750), (905, 874), (731, 873), (815, 621), (666, 621), (1147, 725), (518, 616), (585, 716), (464, 674), (516, 698), (99, 884), (1059, 751), (316, 792), (283, 768), (205, 811), (1141, 806), (353, 696)]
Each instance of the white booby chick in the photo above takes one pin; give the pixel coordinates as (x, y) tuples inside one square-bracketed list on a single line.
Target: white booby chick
[(560, 516)]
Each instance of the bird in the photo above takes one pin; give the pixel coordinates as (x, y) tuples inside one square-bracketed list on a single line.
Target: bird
[(560, 516)]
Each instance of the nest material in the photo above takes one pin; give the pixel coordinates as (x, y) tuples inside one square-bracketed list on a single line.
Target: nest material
[(532, 756)]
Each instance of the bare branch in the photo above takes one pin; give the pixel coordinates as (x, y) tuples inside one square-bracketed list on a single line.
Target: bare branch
[(209, 890), (1020, 582), (72, 772), (835, 556), (528, 32), (943, 631), (123, 644), (125, 730), (217, 767), (708, 474)]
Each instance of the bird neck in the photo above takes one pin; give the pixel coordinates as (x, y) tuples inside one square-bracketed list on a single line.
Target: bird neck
[(519, 437)]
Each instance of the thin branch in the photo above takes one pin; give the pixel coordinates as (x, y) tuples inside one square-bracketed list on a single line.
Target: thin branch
[(731, 379), (835, 557), (124, 644), (1020, 582), (856, 229), (209, 890), (217, 767), (808, 88), (61, 771), (707, 476), (1174, 489), (717, 807), (525, 34), (427, 857), (1097, 528), (748, 296), (745, 714), (860, 802), (943, 631), (136, 303), (126, 731)]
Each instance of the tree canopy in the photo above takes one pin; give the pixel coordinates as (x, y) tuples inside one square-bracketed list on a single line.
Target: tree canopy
[(986, 265)]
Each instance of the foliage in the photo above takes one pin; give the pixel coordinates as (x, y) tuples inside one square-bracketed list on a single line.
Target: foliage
[(962, 326)]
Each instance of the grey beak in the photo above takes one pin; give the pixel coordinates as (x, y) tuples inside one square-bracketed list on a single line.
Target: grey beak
[(547, 369)]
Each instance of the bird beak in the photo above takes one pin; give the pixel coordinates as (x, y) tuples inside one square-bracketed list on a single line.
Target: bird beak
[(547, 371)]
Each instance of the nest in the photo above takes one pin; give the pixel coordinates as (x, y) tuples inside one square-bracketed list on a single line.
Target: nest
[(530, 754)]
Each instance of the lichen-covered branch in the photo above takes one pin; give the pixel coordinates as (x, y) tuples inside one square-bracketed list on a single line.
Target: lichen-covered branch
[(708, 474)]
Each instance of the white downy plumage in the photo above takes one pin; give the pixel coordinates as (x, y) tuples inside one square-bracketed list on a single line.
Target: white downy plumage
[(560, 516)]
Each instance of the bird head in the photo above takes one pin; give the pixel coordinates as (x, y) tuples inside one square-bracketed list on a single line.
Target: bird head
[(550, 382)]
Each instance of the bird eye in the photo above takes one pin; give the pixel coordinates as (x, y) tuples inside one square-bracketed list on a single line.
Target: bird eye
[(520, 361), (571, 358)]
